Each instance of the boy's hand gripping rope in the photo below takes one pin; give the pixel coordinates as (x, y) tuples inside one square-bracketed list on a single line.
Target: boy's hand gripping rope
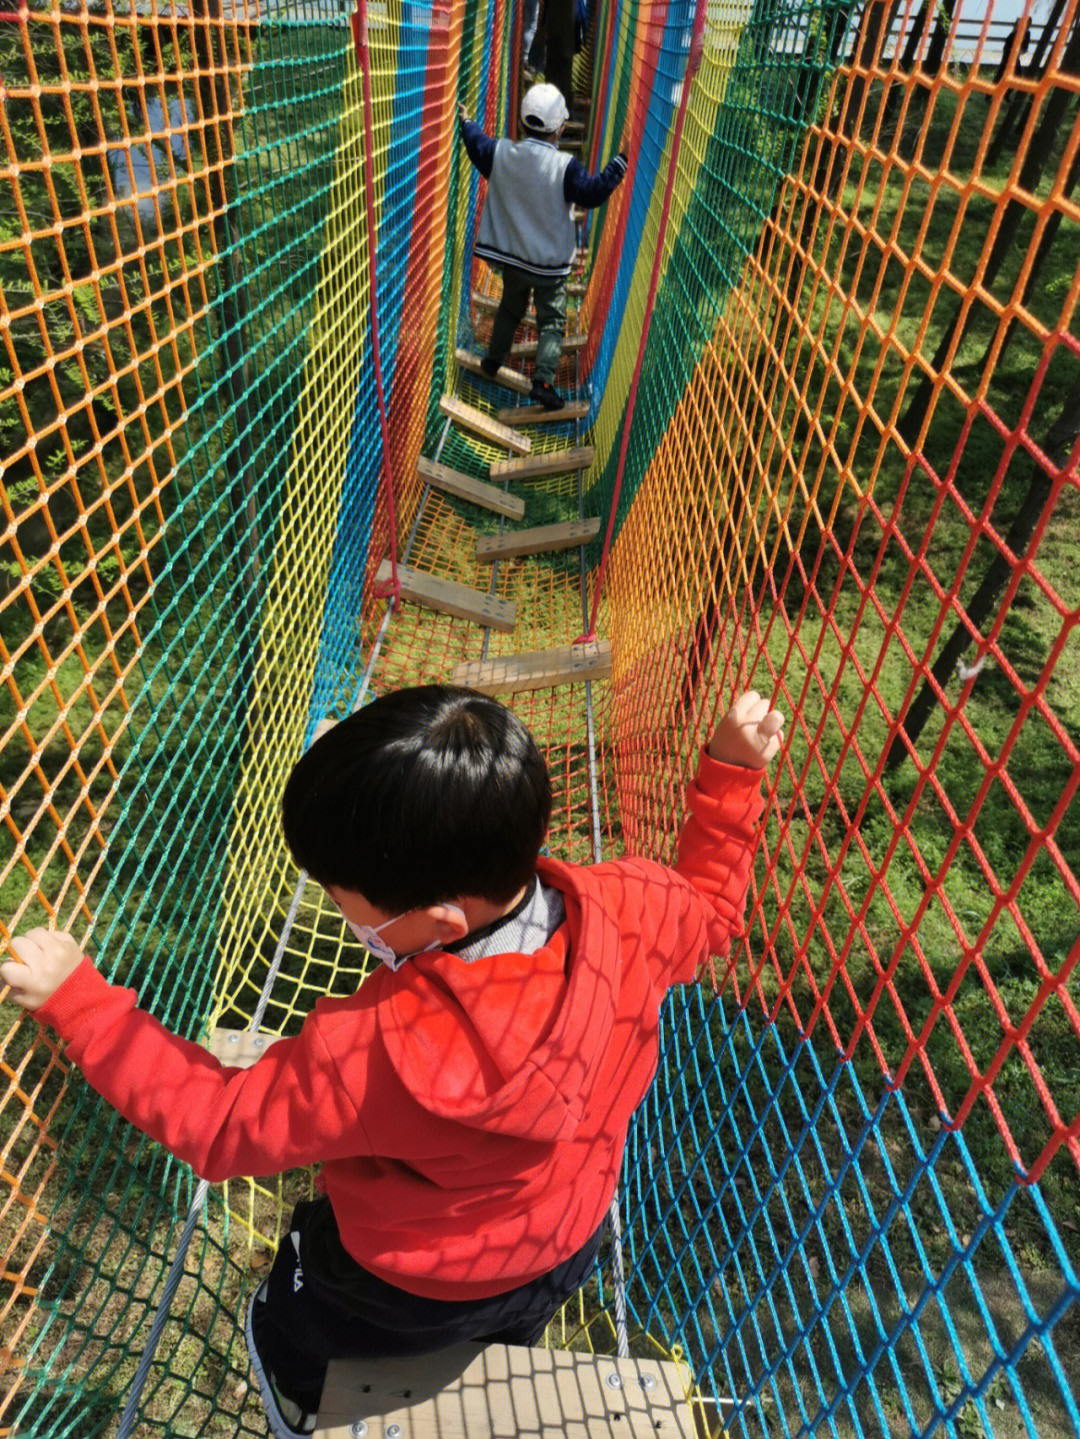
[(697, 46), (391, 588)]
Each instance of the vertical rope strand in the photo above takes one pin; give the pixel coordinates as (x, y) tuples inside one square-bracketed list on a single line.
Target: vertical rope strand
[(391, 589), (697, 43)]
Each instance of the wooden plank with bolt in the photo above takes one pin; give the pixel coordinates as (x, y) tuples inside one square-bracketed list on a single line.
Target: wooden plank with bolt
[(490, 303), (504, 1392), (554, 462), (477, 492), (526, 349), (509, 378), (537, 670), (451, 598), (542, 540), (536, 414), (239, 1048), (474, 420)]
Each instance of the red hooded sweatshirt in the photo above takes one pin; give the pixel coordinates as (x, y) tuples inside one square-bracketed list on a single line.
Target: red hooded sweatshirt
[(470, 1118)]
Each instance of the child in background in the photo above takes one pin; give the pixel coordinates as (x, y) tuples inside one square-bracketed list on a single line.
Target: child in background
[(527, 230), (469, 1103)]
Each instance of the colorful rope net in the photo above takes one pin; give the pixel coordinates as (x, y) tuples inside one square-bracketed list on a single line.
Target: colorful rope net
[(850, 480)]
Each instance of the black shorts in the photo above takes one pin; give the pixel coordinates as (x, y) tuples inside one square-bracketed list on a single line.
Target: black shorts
[(322, 1305)]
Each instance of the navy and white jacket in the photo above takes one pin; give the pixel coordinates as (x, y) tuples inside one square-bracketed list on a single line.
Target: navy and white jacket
[(531, 187)]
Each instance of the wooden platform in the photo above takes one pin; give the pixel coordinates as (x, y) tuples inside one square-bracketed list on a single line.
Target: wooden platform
[(239, 1048), (555, 462), (477, 492), (536, 414), (483, 425), (504, 1392), (490, 303), (538, 670), (451, 598), (510, 379), (525, 349), (541, 540)]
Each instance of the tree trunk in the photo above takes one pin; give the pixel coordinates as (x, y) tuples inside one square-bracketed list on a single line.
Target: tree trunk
[(1039, 150), (1012, 121), (1056, 447), (918, 30), (1012, 50), (907, 61), (1046, 244), (935, 51)]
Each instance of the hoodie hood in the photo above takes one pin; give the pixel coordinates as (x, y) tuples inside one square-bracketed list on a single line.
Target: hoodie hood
[(509, 1044)]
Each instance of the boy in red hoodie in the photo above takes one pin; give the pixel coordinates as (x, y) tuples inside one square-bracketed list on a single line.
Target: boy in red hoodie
[(470, 1106)]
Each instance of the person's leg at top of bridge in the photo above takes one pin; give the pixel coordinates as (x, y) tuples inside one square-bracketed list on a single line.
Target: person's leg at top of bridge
[(469, 1103), (530, 18), (527, 228)]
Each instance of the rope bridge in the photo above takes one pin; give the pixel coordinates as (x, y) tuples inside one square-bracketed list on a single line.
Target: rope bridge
[(824, 372)]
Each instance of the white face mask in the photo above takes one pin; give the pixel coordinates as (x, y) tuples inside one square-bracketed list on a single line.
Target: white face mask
[(368, 935)]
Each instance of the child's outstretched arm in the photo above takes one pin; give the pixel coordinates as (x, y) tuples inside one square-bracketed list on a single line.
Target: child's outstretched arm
[(479, 147), (44, 958), (716, 846), (289, 1109), (749, 735), (589, 191)]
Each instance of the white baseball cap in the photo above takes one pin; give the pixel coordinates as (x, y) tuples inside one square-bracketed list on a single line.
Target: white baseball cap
[(543, 108)]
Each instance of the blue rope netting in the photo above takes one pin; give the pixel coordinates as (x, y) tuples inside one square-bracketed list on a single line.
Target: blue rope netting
[(795, 1236)]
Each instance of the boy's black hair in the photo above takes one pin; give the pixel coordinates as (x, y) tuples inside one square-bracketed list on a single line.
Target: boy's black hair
[(421, 797)]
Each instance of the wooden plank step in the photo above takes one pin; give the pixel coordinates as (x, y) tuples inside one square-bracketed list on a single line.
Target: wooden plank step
[(483, 425), (526, 348), (450, 598), (536, 414), (478, 492), (511, 379), (555, 462), (239, 1048), (504, 1392), (541, 540), (538, 670), (490, 303)]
